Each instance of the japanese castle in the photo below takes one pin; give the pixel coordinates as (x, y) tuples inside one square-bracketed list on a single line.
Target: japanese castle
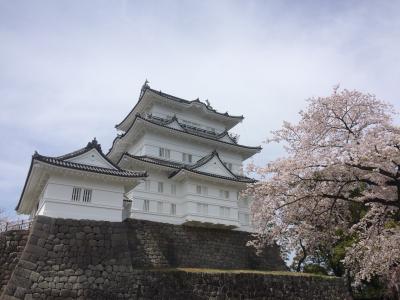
[(173, 161)]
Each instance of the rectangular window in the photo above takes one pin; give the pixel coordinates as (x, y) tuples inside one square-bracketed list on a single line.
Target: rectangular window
[(76, 194), (173, 189), (164, 152), (147, 185), (198, 189), (173, 209), (205, 190), (161, 187), (224, 194), (202, 208), (160, 207), (186, 157), (224, 212), (87, 196), (146, 205), (201, 190)]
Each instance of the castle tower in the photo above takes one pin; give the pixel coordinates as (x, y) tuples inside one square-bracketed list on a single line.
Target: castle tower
[(194, 164), (83, 184)]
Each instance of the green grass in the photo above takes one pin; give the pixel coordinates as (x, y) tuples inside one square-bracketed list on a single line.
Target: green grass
[(217, 271)]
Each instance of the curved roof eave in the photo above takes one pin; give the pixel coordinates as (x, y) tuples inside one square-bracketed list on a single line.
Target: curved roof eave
[(138, 116), (56, 163), (184, 167), (173, 174), (176, 99)]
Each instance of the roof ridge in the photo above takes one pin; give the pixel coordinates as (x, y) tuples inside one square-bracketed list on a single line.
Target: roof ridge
[(186, 131), (179, 169), (93, 144), (146, 87), (139, 116), (84, 167), (213, 154), (197, 100)]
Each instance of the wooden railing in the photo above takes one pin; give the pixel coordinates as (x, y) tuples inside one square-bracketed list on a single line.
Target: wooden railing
[(15, 225)]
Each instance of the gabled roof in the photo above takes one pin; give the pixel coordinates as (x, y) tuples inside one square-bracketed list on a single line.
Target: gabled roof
[(88, 168), (91, 145), (63, 162), (190, 129), (164, 123), (154, 160), (146, 89), (179, 167)]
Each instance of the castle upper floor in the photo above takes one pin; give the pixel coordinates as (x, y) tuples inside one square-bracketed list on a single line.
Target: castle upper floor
[(194, 113)]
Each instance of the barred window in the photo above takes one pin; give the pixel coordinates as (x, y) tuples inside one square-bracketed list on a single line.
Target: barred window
[(224, 212), (76, 194), (173, 189), (173, 209), (224, 194), (165, 153), (87, 196), (161, 187), (186, 157), (146, 205), (201, 190)]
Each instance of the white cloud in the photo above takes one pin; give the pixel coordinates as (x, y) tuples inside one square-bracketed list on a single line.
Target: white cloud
[(70, 71)]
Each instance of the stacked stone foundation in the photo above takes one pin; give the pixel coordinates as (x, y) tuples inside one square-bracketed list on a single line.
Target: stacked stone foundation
[(71, 259)]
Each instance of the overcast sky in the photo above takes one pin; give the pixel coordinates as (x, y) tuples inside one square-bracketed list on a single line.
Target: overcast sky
[(71, 70)]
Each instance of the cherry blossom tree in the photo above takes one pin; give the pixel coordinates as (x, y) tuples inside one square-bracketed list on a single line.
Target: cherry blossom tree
[(343, 153)]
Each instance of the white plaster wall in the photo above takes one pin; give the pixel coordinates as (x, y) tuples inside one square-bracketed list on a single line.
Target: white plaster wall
[(205, 123), (214, 166), (137, 147), (92, 158), (151, 143), (61, 209), (106, 201), (186, 200)]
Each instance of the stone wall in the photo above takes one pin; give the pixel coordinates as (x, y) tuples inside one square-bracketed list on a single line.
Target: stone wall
[(154, 244), (12, 243), (70, 259), (183, 285)]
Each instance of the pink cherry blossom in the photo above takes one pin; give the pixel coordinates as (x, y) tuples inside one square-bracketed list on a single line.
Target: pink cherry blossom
[(344, 150)]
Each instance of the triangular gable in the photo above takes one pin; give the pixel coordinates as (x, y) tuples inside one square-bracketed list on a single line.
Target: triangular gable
[(215, 166), (174, 124), (92, 158)]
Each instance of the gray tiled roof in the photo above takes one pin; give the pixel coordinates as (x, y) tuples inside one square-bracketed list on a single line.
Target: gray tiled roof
[(190, 167), (82, 167)]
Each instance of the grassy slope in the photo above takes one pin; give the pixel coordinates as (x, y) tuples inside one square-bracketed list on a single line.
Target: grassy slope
[(216, 271)]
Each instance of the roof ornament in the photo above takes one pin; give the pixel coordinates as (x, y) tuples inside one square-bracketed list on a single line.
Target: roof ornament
[(144, 87), (94, 144), (208, 104)]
